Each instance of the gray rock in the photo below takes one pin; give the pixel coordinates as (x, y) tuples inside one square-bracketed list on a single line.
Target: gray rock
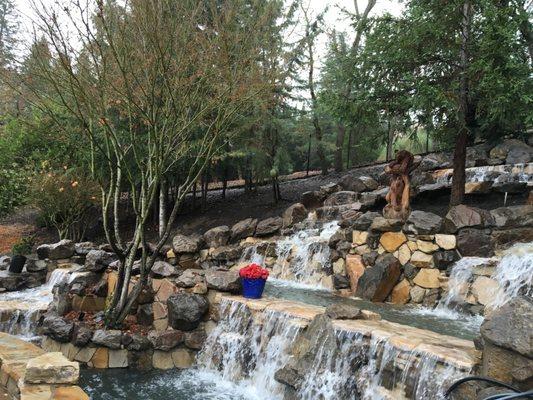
[(513, 151), (10, 281), (364, 221), (370, 258), (243, 229), (294, 214), (81, 336), (511, 326), (512, 217), (341, 198), (328, 213), (138, 343), (268, 226), (57, 328), (423, 223), (509, 183), (445, 259), (369, 182), (475, 243), (340, 282), (190, 278), (186, 310), (350, 183), (98, 260), (462, 216), (343, 311), (108, 338), (218, 236), (195, 339), (435, 161), (56, 251), (377, 281), (187, 244), (312, 199), (83, 281), (165, 340), (224, 281), (226, 253), (163, 269), (33, 265), (381, 224), (410, 271), (81, 249)]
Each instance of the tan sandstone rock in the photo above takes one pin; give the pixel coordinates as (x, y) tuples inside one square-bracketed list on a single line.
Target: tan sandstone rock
[(485, 290), (422, 260), (354, 269), (391, 241), (51, 368), (428, 278), (359, 237), (446, 242), (426, 247), (400, 293)]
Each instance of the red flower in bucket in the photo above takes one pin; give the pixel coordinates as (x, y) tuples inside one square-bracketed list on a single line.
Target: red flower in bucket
[(253, 279), (253, 271)]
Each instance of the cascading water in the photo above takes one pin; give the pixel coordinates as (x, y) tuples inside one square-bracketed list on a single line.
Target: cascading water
[(249, 352), (514, 274), (20, 310), (248, 349), (301, 258)]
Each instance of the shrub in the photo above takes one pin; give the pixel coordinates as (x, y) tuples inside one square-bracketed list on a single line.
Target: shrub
[(23, 246), (67, 199), (13, 188)]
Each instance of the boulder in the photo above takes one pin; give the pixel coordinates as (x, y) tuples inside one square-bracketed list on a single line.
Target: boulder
[(509, 183), (341, 198), (11, 281), (187, 244), (427, 278), (268, 226), (226, 253), (165, 340), (426, 246), (224, 281), (410, 271), (32, 265), (343, 212), (507, 237), (162, 269), (98, 260), (312, 199), (400, 293), (243, 229), (56, 251), (51, 368), (138, 343), (4, 262), (57, 328), (475, 243), (417, 294), (354, 269), (108, 338), (485, 290), (511, 326), (82, 282), (294, 214), (421, 260), (423, 223), (435, 161), (513, 151), (218, 236), (350, 183), (380, 224), (462, 216), (512, 217), (190, 278), (391, 241), (82, 248), (370, 183), (363, 222), (370, 258), (186, 310), (343, 311), (378, 281), (81, 336)]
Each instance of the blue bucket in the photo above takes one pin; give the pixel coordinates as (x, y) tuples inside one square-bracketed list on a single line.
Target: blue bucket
[(253, 288)]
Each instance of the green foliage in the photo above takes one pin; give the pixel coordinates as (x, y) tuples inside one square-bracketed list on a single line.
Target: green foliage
[(13, 188), (23, 246)]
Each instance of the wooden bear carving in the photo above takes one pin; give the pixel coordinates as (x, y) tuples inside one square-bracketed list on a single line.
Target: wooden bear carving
[(398, 198)]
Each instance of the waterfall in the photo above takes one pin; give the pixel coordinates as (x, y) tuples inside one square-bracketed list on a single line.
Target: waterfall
[(301, 257), (20, 310), (514, 274), (248, 347), (249, 352)]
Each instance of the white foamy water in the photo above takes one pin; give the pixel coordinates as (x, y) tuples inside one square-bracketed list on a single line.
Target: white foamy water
[(301, 258), (20, 310), (514, 274)]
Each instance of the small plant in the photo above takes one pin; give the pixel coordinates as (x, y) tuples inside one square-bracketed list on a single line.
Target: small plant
[(23, 246), (253, 271)]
